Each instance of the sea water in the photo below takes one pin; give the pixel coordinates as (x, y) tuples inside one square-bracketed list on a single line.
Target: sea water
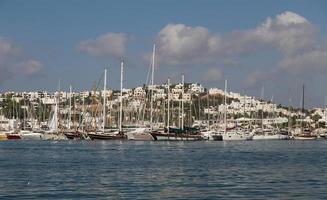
[(163, 170)]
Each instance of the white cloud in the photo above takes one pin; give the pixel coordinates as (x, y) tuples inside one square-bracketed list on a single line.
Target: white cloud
[(13, 61), (109, 44), (315, 60), (29, 67), (213, 75), (7, 50), (180, 44), (288, 33), (259, 77)]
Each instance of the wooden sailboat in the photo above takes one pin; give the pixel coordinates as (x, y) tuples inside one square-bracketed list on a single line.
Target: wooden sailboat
[(305, 134), (111, 135), (72, 132), (177, 134)]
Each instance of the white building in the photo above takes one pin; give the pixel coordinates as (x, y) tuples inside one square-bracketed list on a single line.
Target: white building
[(196, 88)]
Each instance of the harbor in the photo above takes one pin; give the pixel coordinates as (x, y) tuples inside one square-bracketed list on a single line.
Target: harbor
[(165, 112), (180, 100)]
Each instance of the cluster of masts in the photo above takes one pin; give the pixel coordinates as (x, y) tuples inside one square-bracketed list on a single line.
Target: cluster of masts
[(153, 131)]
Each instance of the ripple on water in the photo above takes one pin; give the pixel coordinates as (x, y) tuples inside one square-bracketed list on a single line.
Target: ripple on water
[(159, 170)]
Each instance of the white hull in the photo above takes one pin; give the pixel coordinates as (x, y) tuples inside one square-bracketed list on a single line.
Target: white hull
[(236, 137), (270, 137), (31, 136), (53, 136), (141, 134), (304, 138)]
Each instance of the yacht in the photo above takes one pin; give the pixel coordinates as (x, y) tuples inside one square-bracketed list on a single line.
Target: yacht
[(269, 135), (139, 133), (30, 135), (211, 135), (114, 135), (237, 134), (176, 134)]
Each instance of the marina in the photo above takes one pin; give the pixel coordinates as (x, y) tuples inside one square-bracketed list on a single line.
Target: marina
[(166, 112), (163, 99)]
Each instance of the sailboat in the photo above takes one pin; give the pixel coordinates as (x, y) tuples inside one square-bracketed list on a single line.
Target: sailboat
[(111, 135), (28, 133), (235, 133), (305, 134), (268, 133), (53, 133), (140, 132), (182, 133), (209, 133), (70, 133), (12, 134)]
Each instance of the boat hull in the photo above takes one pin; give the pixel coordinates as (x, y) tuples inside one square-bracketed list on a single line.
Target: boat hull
[(175, 137), (32, 136), (270, 137), (53, 136), (140, 136), (305, 137), (217, 137), (96, 136), (211, 135), (13, 137), (3, 137), (75, 135), (236, 137)]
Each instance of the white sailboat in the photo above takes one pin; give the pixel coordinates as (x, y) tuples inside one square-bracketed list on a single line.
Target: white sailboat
[(53, 132), (30, 135), (234, 134), (268, 133), (142, 133), (209, 133)]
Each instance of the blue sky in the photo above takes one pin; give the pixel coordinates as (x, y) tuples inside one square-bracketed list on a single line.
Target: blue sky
[(209, 41)]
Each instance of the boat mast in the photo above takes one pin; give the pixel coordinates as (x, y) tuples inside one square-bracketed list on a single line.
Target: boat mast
[(70, 107), (57, 111), (225, 107), (182, 101), (82, 116), (152, 78), (168, 93), (104, 100), (121, 96), (208, 117), (24, 114), (273, 117), (190, 116), (199, 107), (262, 103), (179, 114), (289, 117), (244, 107), (13, 107), (302, 109)]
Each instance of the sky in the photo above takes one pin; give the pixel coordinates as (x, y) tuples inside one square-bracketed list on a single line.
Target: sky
[(277, 45)]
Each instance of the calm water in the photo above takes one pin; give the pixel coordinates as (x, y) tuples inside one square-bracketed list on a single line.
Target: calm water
[(162, 170)]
